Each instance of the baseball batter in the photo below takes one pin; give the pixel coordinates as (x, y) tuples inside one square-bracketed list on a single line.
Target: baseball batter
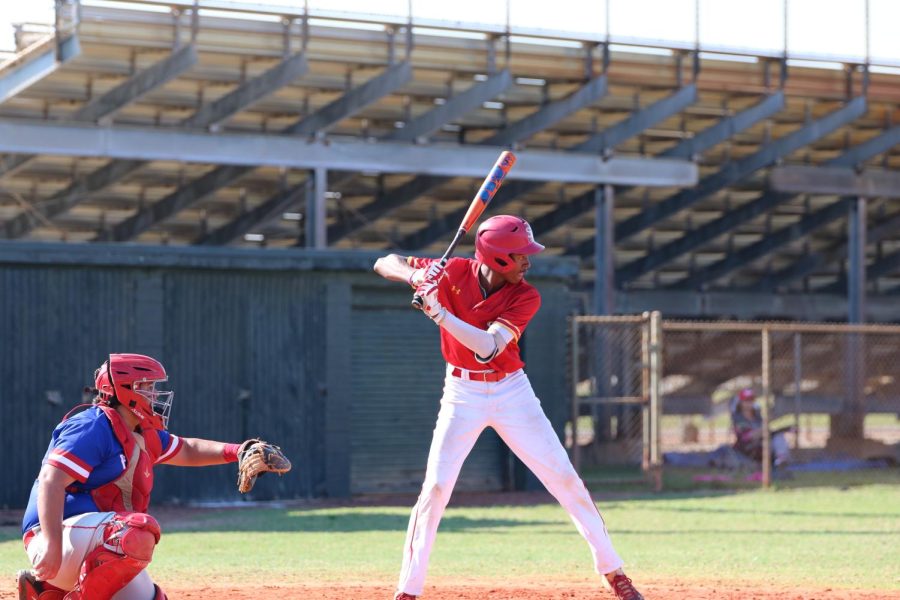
[(483, 307), (86, 530)]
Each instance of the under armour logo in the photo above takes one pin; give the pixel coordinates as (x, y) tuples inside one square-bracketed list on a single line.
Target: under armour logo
[(528, 232)]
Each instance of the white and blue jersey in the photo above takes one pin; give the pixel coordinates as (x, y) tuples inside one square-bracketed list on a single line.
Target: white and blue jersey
[(85, 447)]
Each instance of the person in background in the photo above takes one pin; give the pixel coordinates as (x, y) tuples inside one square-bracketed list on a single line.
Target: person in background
[(746, 420)]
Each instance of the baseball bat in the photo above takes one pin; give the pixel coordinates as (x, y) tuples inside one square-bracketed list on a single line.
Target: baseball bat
[(482, 198)]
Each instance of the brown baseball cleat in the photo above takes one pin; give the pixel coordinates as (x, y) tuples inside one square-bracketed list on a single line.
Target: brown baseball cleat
[(32, 589), (404, 596), (624, 589)]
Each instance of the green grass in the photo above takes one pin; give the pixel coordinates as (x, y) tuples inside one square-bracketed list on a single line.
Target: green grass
[(630, 479), (847, 537)]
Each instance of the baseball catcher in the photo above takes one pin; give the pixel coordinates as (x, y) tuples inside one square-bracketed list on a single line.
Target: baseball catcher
[(86, 529)]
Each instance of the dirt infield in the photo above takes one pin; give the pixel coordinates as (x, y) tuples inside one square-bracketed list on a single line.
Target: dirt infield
[(652, 591)]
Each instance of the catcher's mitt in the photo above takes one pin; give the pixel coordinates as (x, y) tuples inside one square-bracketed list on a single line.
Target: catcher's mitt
[(256, 457)]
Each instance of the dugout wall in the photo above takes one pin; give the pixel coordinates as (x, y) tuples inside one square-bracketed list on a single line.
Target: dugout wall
[(310, 349)]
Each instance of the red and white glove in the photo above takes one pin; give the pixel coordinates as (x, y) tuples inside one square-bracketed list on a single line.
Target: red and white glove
[(433, 272), (431, 306)]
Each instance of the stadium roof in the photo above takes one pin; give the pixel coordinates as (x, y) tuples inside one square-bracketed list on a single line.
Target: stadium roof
[(257, 126)]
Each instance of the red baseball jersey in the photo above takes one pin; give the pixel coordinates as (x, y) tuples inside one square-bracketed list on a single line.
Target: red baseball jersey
[(512, 306)]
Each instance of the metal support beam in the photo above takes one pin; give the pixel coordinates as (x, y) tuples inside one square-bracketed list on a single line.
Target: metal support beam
[(813, 261), (137, 85), (126, 92), (384, 203), (248, 146), (545, 116), (233, 102), (266, 149), (607, 139), (354, 100), (181, 198), (816, 260), (450, 222), (766, 245), (268, 210), (727, 128), (605, 249), (835, 180), (18, 78), (856, 265), (257, 88), (750, 210), (885, 266), (550, 113), (317, 184), (872, 147), (453, 108), (752, 305), (421, 127), (685, 149), (849, 422), (640, 120), (700, 236), (733, 172), (65, 199), (13, 162)]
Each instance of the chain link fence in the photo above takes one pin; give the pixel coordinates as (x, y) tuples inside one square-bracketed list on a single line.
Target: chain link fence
[(697, 396), (615, 411)]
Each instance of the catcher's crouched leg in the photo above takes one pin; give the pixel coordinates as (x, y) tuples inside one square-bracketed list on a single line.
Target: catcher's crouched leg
[(32, 589), (127, 549)]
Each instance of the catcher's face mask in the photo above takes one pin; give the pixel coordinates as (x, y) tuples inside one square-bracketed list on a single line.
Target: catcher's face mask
[(160, 401)]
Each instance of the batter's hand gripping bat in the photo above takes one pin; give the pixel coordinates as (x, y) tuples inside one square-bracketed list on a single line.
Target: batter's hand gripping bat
[(482, 198)]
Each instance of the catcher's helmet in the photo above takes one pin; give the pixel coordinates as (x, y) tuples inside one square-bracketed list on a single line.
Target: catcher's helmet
[(500, 236), (131, 380)]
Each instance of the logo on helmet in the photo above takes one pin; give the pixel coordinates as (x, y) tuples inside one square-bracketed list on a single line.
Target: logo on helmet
[(528, 231)]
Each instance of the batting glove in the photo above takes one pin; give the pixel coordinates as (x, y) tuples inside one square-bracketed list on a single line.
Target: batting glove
[(430, 304), (433, 272)]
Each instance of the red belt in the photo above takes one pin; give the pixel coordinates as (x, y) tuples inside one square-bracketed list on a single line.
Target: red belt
[(487, 376)]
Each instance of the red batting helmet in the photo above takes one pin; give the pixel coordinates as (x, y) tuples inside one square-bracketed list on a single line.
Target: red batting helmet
[(746, 394), (131, 380), (500, 236)]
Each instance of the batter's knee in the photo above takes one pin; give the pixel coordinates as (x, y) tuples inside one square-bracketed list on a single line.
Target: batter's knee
[(434, 493), (569, 482)]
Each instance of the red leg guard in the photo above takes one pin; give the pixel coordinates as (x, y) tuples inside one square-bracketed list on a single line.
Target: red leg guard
[(32, 589), (127, 549), (160, 595)]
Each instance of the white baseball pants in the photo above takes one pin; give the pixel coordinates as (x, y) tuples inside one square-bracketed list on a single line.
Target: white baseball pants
[(512, 409), (81, 534)]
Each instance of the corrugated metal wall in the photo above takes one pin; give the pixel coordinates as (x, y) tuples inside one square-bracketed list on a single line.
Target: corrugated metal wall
[(55, 327), (308, 349), (398, 375)]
